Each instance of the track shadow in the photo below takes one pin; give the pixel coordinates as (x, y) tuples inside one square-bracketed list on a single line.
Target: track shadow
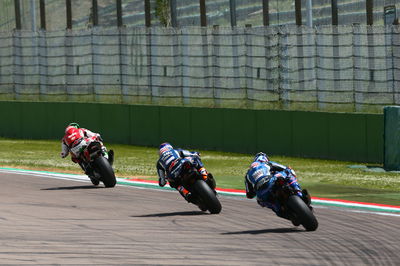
[(72, 188), (265, 231), (167, 214)]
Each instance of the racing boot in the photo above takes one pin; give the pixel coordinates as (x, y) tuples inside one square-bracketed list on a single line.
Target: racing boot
[(161, 181), (90, 173), (306, 197), (185, 193), (211, 181), (87, 169), (208, 178), (111, 157), (203, 173)]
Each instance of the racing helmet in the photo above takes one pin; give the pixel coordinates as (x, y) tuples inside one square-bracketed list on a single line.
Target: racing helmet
[(164, 147), (261, 157), (72, 135), (71, 128), (74, 125)]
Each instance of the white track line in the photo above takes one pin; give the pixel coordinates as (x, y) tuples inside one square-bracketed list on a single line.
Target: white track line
[(139, 184)]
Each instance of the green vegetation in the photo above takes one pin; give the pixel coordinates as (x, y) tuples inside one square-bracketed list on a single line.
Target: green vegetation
[(7, 20), (162, 12), (323, 178)]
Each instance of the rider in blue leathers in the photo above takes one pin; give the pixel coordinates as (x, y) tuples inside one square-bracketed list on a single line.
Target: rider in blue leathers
[(173, 162), (260, 180)]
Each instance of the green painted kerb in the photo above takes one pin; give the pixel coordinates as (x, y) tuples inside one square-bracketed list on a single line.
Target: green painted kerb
[(142, 184), (339, 136), (358, 207)]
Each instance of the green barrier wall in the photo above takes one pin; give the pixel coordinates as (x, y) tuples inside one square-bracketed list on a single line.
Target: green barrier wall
[(340, 136), (392, 138)]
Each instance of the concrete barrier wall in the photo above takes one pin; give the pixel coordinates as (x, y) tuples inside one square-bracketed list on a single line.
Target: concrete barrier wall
[(340, 136)]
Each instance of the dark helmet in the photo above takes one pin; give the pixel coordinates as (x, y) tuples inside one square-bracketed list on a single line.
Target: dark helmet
[(261, 157), (164, 147)]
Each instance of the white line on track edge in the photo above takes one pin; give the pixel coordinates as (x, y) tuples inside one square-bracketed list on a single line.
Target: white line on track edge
[(358, 208)]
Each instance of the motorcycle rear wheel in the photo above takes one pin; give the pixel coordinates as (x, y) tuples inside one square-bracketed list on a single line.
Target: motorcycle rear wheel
[(106, 172), (302, 213), (208, 196)]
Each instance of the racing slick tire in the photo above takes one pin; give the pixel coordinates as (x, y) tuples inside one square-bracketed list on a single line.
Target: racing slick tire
[(302, 213), (207, 196), (106, 172)]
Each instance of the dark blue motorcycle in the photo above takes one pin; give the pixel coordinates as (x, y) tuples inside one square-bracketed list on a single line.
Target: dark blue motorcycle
[(293, 207)]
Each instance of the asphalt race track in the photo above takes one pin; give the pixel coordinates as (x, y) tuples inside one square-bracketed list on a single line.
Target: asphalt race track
[(55, 221)]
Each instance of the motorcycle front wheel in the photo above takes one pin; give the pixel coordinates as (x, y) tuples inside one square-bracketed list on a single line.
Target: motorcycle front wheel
[(106, 172), (207, 196), (303, 213)]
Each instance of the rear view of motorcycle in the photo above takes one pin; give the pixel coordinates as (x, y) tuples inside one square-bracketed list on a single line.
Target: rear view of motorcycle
[(203, 191), (293, 206), (275, 186), (94, 162)]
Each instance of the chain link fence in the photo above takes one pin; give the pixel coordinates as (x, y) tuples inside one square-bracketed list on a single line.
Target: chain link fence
[(327, 68)]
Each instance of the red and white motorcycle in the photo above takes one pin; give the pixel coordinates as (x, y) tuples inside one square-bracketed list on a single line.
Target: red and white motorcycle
[(95, 160)]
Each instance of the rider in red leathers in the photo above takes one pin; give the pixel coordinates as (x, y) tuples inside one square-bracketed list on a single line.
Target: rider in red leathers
[(73, 136)]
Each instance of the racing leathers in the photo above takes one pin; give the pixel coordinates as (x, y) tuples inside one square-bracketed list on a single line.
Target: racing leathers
[(70, 139), (74, 139), (171, 165), (260, 180)]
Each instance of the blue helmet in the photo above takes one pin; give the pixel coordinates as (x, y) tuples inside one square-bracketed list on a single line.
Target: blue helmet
[(261, 157), (164, 147)]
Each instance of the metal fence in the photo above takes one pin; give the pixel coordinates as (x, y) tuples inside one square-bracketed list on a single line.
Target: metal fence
[(80, 14), (343, 68)]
